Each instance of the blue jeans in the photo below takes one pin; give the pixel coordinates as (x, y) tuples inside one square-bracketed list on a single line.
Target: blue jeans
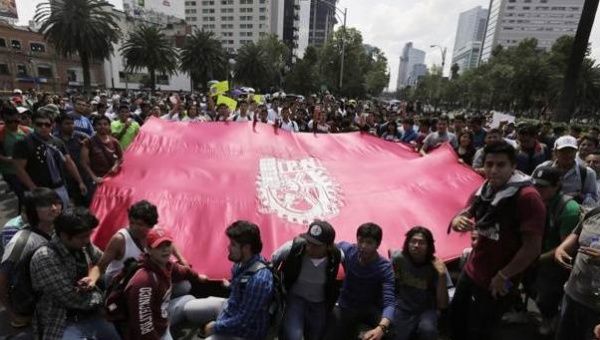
[(577, 321), (304, 319), (423, 325), (94, 328)]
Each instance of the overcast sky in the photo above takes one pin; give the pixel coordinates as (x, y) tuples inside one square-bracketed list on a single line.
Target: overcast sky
[(389, 24)]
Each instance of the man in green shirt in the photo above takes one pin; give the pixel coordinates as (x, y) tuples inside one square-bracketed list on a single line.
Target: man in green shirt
[(12, 133), (125, 128), (548, 278)]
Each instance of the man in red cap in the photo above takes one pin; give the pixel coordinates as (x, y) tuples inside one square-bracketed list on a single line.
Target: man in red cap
[(150, 309)]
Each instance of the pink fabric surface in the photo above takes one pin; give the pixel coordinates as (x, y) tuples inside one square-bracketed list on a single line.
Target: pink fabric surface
[(204, 176)]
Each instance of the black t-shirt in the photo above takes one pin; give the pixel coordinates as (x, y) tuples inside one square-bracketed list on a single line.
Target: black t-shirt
[(415, 285), (35, 153)]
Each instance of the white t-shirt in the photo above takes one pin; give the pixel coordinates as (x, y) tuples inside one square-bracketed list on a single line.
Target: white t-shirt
[(236, 117), (290, 126)]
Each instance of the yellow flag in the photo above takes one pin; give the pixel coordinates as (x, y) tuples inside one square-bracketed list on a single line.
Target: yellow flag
[(231, 103), (219, 88), (259, 98)]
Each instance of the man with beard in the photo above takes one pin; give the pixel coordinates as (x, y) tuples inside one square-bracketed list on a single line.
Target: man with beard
[(245, 314)]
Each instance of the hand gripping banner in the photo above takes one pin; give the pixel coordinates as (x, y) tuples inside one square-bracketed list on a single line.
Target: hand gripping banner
[(204, 176)]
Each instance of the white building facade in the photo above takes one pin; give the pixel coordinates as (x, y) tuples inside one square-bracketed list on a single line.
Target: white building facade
[(469, 38), (512, 21), (236, 22), (130, 18)]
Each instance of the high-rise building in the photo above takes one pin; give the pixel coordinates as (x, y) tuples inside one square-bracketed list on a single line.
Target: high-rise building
[(296, 16), (322, 20), (409, 72), (147, 9), (469, 38), (512, 21), (8, 11), (236, 22)]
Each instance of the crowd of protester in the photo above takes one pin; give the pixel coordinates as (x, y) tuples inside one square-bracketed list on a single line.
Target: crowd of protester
[(534, 223)]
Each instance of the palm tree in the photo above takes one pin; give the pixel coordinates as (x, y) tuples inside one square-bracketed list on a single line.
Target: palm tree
[(252, 67), (84, 27), (148, 47), (203, 58), (580, 46)]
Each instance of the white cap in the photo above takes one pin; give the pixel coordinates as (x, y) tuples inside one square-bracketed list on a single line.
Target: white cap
[(566, 142), (17, 91)]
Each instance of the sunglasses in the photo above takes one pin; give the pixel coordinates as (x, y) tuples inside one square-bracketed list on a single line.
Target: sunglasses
[(10, 121), (43, 124)]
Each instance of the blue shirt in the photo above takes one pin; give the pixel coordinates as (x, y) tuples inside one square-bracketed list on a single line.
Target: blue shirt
[(409, 135), (82, 124), (367, 286), (246, 313)]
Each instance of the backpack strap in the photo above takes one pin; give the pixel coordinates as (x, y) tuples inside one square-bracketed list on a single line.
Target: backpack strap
[(582, 175), (591, 213), (560, 207), (19, 247)]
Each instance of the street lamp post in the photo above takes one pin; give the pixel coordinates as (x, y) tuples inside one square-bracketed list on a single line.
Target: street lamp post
[(344, 13), (443, 50), (439, 87), (343, 49)]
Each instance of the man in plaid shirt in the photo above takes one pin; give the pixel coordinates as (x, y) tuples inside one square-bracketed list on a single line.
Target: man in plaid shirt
[(245, 314), (68, 307)]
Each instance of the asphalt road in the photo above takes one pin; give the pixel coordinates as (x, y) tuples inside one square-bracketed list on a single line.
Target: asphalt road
[(8, 210)]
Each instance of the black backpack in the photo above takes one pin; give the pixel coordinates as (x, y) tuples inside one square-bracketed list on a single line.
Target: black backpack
[(115, 304), (277, 305), (21, 294)]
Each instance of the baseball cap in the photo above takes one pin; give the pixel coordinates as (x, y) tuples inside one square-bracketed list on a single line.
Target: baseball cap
[(320, 232), (566, 142), (546, 176), (156, 236)]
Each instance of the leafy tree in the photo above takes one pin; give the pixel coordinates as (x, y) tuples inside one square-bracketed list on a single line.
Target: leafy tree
[(203, 58), (454, 71), (87, 28), (252, 67), (303, 77), (277, 54), (357, 82), (377, 77), (148, 47)]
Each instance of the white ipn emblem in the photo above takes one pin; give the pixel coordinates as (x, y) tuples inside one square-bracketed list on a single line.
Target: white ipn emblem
[(297, 190)]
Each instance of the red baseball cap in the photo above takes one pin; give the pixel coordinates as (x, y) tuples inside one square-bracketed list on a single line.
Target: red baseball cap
[(156, 236)]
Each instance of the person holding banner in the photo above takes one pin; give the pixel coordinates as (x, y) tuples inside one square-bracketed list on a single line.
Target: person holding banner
[(242, 115), (367, 295), (309, 265), (286, 123), (509, 216)]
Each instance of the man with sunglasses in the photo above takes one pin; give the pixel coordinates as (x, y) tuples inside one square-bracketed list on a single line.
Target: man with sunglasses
[(12, 133), (41, 160)]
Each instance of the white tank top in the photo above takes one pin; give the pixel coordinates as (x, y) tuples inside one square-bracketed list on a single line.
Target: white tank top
[(131, 251)]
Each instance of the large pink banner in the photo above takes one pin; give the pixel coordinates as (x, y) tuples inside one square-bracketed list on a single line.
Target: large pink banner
[(204, 176)]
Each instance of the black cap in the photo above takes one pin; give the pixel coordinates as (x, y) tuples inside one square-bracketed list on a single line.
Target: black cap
[(547, 176), (320, 232)]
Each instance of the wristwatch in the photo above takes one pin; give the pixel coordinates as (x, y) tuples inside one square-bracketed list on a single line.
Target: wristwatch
[(383, 327)]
